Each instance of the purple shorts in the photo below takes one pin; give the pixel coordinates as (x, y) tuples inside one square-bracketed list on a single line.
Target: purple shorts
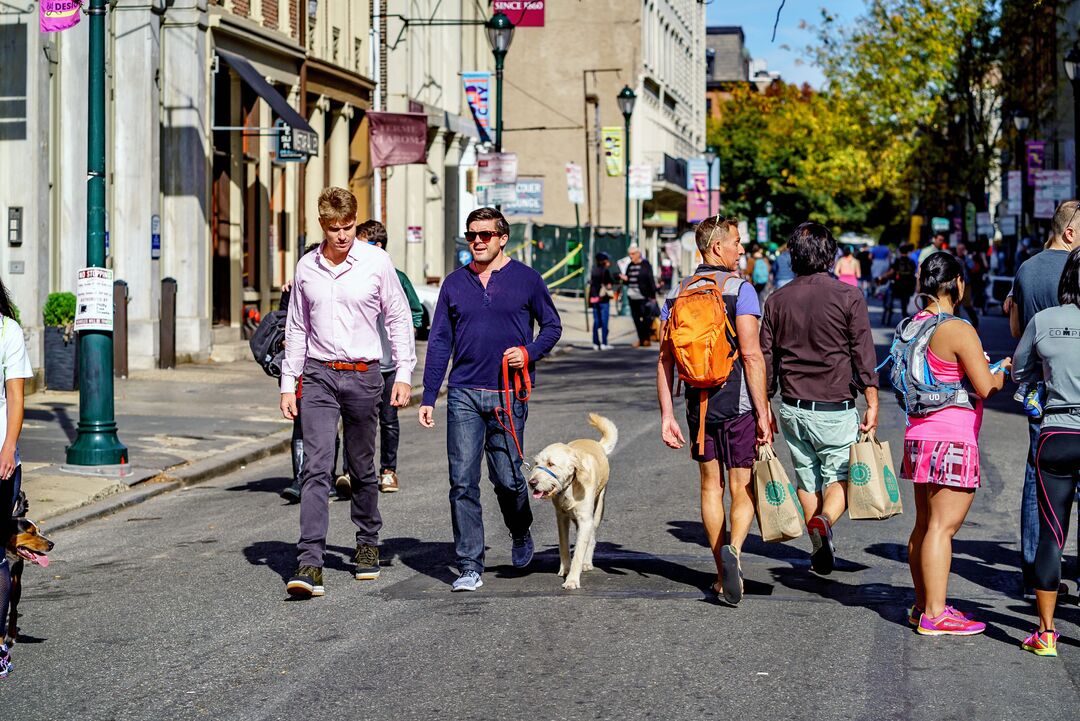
[(733, 442)]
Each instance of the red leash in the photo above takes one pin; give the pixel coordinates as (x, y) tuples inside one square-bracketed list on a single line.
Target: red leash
[(509, 393)]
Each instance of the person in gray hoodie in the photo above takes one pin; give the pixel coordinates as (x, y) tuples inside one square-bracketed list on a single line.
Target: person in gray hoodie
[(1052, 341)]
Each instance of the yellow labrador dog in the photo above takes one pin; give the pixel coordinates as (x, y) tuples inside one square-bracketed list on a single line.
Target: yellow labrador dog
[(574, 476)]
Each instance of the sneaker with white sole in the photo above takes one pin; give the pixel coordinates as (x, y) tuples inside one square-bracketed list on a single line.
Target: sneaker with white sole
[(605, 346), (306, 583), (6, 666), (343, 486), (367, 562), (388, 481), (521, 550), (467, 581)]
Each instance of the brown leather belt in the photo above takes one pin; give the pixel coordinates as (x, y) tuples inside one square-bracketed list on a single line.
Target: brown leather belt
[(345, 366)]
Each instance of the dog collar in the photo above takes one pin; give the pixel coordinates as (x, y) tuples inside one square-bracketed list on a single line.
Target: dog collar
[(548, 471)]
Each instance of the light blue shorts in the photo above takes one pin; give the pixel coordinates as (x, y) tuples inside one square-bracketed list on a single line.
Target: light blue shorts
[(820, 443)]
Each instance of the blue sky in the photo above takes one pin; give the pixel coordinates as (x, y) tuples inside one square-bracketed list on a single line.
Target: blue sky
[(756, 18)]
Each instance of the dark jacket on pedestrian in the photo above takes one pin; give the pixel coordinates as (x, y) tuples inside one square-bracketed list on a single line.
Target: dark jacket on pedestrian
[(817, 342), (640, 275), (600, 282)]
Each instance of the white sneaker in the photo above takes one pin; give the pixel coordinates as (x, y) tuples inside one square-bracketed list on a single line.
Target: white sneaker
[(605, 346), (595, 347)]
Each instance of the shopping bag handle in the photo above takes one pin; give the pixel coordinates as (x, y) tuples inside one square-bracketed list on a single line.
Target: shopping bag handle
[(868, 437), (765, 452)]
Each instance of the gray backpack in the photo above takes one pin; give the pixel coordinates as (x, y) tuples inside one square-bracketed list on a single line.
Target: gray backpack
[(918, 392)]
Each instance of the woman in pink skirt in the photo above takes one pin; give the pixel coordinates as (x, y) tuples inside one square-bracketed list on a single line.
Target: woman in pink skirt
[(941, 453)]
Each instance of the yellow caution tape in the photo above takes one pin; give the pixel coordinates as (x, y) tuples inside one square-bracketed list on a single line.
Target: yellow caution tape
[(552, 270), (565, 278)]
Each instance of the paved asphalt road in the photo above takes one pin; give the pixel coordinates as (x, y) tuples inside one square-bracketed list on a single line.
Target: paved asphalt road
[(175, 609)]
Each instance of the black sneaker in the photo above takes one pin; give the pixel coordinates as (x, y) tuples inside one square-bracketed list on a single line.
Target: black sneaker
[(306, 583), (367, 562), (343, 486), (291, 493), (823, 555)]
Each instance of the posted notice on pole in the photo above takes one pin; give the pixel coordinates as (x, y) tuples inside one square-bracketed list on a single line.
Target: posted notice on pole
[(94, 299)]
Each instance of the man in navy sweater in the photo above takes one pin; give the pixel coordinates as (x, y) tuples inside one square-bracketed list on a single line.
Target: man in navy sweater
[(486, 312)]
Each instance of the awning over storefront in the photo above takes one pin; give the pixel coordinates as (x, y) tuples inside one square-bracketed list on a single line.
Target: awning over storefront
[(304, 137)]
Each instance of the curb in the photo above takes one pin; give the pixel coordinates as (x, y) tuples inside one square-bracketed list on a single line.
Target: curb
[(196, 472)]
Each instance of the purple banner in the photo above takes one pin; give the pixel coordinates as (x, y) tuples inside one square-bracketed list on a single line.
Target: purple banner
[(1035, 153), (57, 15)]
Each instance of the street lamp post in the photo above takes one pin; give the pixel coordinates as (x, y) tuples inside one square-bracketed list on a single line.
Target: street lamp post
[(500, 32), (1072, 62), (710, 158), (1021, 122), (96, 442), (626, 98)]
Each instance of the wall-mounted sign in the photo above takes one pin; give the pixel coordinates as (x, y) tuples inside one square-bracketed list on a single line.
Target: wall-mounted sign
[(575, 184), (155, 237), (522, 13), (529, 198), (496, 169)]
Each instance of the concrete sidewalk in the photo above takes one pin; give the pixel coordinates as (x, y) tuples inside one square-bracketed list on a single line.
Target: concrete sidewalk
[(185, 425)]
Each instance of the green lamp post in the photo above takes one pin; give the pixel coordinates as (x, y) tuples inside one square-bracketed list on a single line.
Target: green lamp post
[(626, 98), (96, 442), (500, 32)]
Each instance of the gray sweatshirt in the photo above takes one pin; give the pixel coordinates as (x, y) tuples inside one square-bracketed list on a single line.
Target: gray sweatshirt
[(1052, 340)]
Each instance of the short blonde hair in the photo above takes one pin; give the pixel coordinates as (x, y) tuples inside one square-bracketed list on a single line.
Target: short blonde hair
[(336, 205)]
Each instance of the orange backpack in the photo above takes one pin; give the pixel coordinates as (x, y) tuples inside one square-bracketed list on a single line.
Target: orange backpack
[(700, 337)]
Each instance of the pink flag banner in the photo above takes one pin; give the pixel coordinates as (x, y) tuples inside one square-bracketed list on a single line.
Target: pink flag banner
[(397, 138), (57, 15)]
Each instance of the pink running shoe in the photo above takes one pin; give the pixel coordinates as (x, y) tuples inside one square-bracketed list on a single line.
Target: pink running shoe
[(915, 613), (949, 623)]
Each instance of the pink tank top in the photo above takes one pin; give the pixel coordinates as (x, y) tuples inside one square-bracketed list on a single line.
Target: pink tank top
[(948, 424)]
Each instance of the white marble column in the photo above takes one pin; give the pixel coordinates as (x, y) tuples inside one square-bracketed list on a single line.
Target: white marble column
[(185, 173)]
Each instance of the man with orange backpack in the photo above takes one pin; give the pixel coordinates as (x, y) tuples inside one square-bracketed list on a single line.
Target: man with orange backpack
[(710, 334)]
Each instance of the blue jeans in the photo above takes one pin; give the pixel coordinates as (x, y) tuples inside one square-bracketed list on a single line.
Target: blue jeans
[(600, 313), (1029, 510), (472, 431)]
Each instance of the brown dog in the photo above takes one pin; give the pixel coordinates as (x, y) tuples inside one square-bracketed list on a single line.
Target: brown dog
[(27, 543)]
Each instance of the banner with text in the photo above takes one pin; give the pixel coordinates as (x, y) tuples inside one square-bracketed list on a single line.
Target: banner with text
[(1052, 187), (1035, 158), (575, 184), (57, 15), (613, 150), (478, 95), (397, 138), (641, 177), (1015, 185), (496, 169), (698, 203)]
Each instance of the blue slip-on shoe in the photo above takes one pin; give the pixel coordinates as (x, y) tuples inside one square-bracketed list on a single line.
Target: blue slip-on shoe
[(521, 550), (467, 581)]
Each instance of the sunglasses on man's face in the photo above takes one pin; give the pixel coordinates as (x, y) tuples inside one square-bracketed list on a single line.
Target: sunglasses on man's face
[(483, 236)]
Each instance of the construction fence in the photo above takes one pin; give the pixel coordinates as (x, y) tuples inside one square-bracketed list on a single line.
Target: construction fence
[(563, 254)]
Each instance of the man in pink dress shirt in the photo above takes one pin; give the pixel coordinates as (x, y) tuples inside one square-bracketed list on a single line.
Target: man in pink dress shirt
[(332, 348)]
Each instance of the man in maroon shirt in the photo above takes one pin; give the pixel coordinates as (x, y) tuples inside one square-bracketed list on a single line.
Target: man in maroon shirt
[(819, 349)]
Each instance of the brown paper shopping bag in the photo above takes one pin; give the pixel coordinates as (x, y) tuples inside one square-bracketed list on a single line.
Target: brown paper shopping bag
[(780, 517), (873, 493)]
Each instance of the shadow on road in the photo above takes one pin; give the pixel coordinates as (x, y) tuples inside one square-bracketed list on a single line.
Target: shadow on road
[(274, 484), (431, 558), (280, 557)]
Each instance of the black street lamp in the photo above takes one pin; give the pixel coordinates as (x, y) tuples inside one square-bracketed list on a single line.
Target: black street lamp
[(500, 32), (626, 98), (1072, 62), (710, 158), (1021, 121)]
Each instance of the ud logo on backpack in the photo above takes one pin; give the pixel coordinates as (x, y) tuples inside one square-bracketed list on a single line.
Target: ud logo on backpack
[(701, 338), (268, 342), (918, 392)]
